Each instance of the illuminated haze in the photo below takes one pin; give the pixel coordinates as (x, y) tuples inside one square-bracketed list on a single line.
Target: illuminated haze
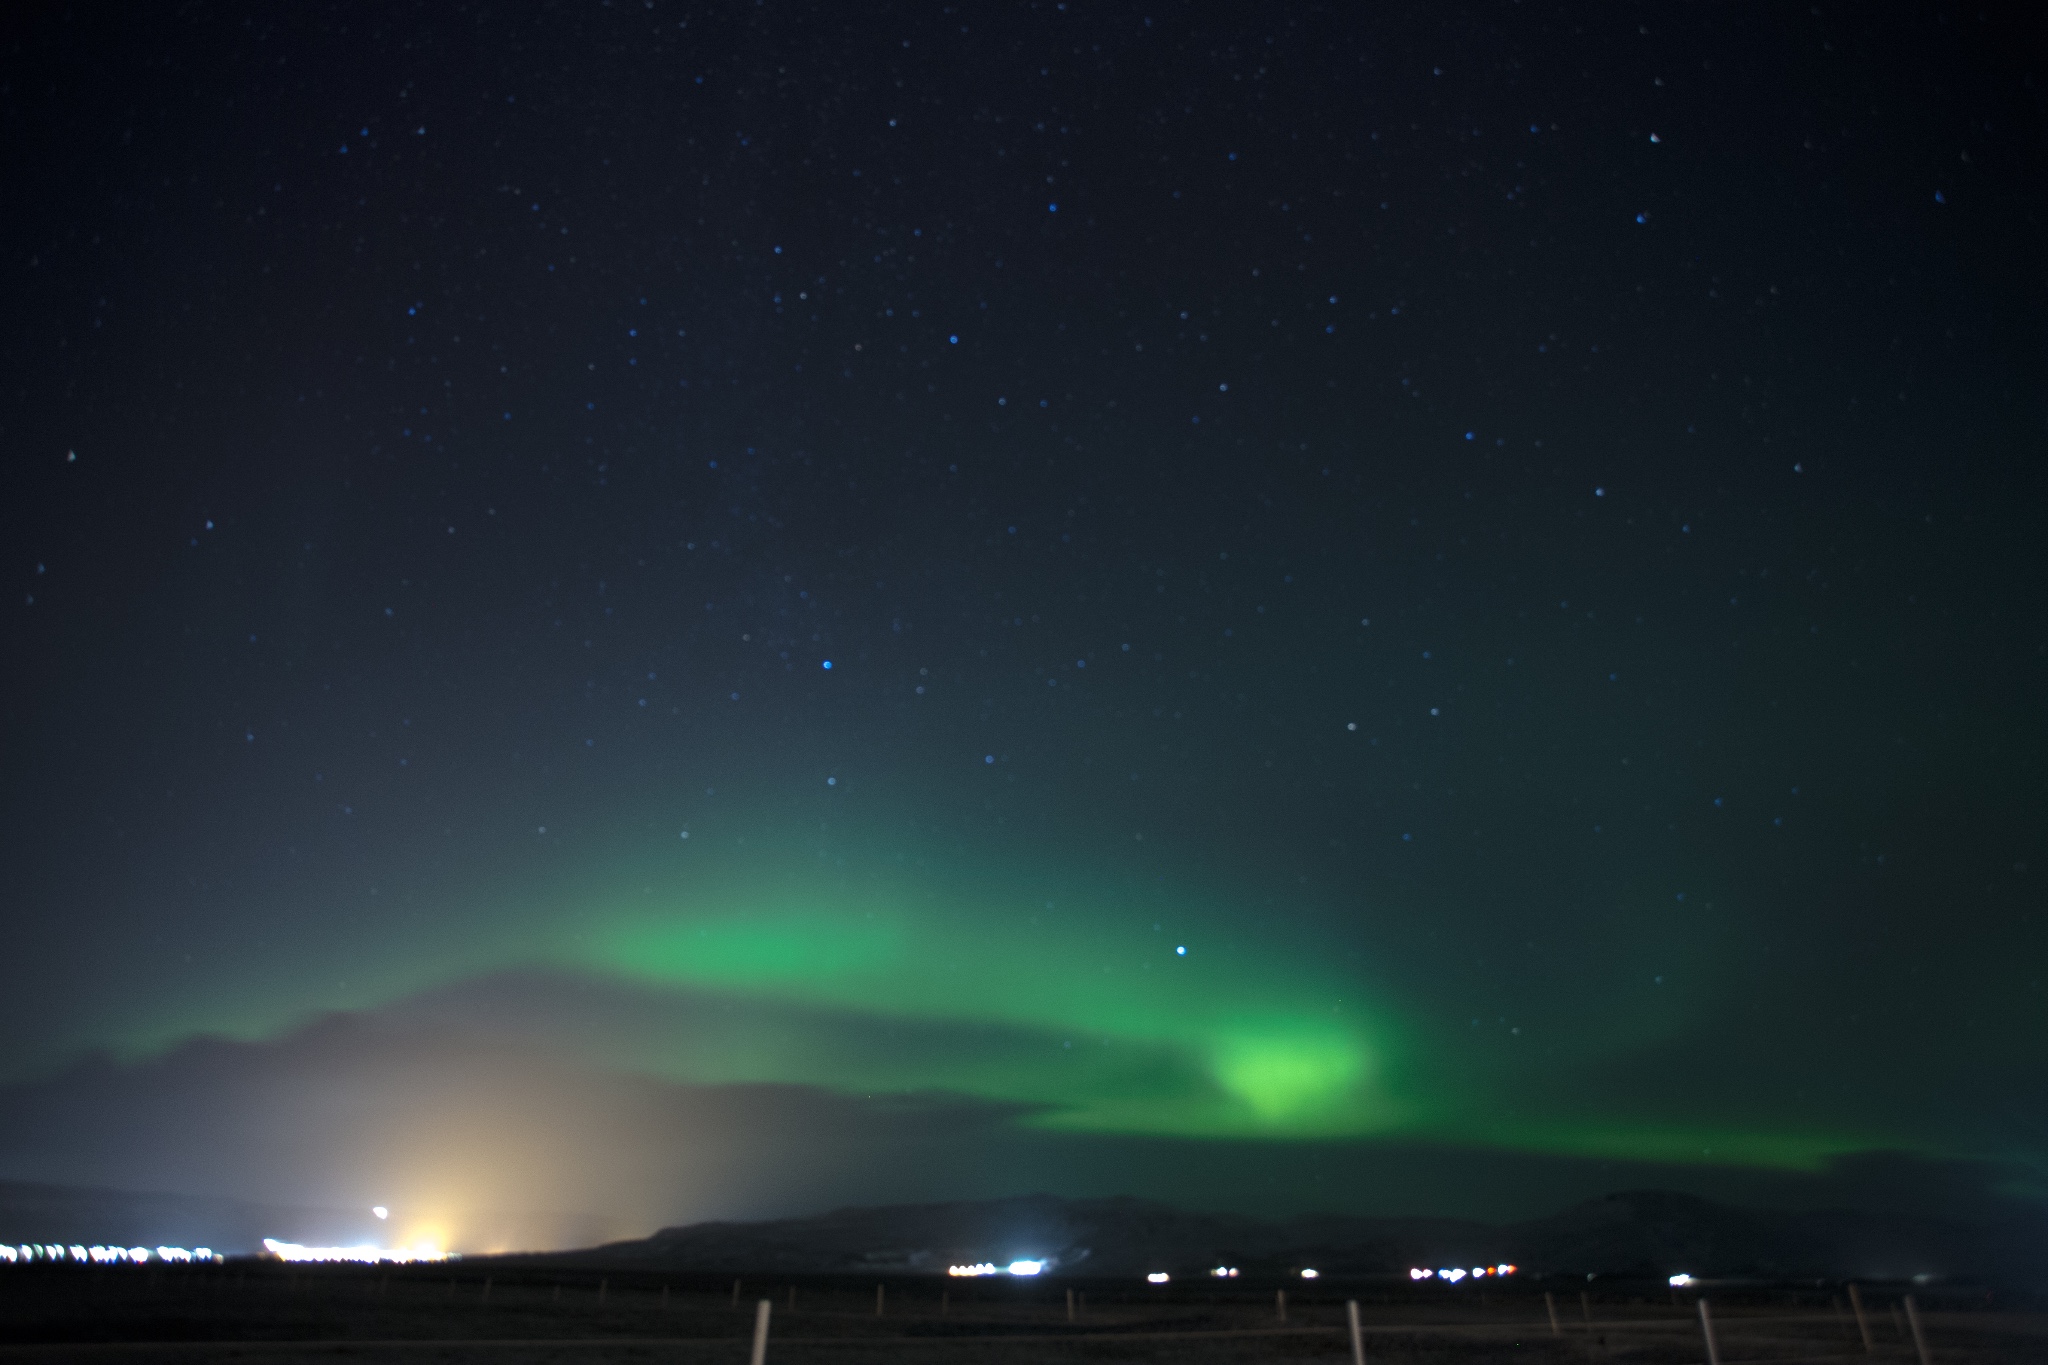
[(631, 618)]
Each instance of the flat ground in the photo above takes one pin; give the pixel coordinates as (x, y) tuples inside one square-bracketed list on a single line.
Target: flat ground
[(527, 1314)]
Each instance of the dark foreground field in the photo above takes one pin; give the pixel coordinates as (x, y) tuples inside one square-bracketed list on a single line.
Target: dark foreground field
[(525, 1313)]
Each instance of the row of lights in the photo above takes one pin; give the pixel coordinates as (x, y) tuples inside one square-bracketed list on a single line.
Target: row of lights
[(991, 1268), (292, 1251), (1456, 1273), (1451, 1275), (1221, 1272), (979, 1268), (102, 1255)]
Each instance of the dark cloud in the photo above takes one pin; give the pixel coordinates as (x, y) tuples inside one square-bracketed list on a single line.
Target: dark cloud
[(1505, 541), (485, 1113)]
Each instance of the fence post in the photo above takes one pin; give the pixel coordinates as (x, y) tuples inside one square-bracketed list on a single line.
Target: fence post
[(1550, 1305), (1919, 1337), (1357, 1336), (1707, 1331), (1280, 1303), (760, 1355), (1862, 1322), (1070, 1305)]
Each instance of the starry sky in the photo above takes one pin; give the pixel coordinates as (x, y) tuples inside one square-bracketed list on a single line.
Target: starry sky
[(1307, 606)]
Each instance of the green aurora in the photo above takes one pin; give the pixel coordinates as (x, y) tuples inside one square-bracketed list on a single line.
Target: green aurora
[(1145, 1009), (1098, 1020), (1402, 618)]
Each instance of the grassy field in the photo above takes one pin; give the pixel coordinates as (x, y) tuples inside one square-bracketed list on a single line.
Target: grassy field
[(264, 1313)]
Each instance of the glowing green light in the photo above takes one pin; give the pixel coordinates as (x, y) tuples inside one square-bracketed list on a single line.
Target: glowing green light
[(1287, 1073), (1065, 996), (805, 949), (1236, 1040)]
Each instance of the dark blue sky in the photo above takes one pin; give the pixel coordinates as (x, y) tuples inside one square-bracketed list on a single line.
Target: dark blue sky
[(754, 545)]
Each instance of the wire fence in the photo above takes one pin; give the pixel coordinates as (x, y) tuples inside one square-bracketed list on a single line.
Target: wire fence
[(263, 1312)]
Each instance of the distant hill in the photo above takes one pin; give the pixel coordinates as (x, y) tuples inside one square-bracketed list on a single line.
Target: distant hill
[(1642, 1232), (1118, 1236), (1661, 1233), (1647, 1232)]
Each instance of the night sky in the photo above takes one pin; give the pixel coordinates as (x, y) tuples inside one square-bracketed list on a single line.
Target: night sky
[(644, 610)]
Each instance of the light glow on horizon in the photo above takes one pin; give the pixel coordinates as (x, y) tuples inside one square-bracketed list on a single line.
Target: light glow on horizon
[(1157, 1277), (292, 1251)]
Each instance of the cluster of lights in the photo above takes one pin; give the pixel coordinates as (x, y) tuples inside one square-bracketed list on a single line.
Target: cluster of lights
[(102, 1255), (1224, 1272), (991, 1268), (1157, 1277), (1456, 1273), (1680, 1281), (292, 1251)]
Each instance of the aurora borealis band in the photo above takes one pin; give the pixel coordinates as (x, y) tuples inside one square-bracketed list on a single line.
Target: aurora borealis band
[(1145, 586)]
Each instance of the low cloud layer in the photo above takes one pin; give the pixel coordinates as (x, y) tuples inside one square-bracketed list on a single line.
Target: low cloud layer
[(524, 1111)]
